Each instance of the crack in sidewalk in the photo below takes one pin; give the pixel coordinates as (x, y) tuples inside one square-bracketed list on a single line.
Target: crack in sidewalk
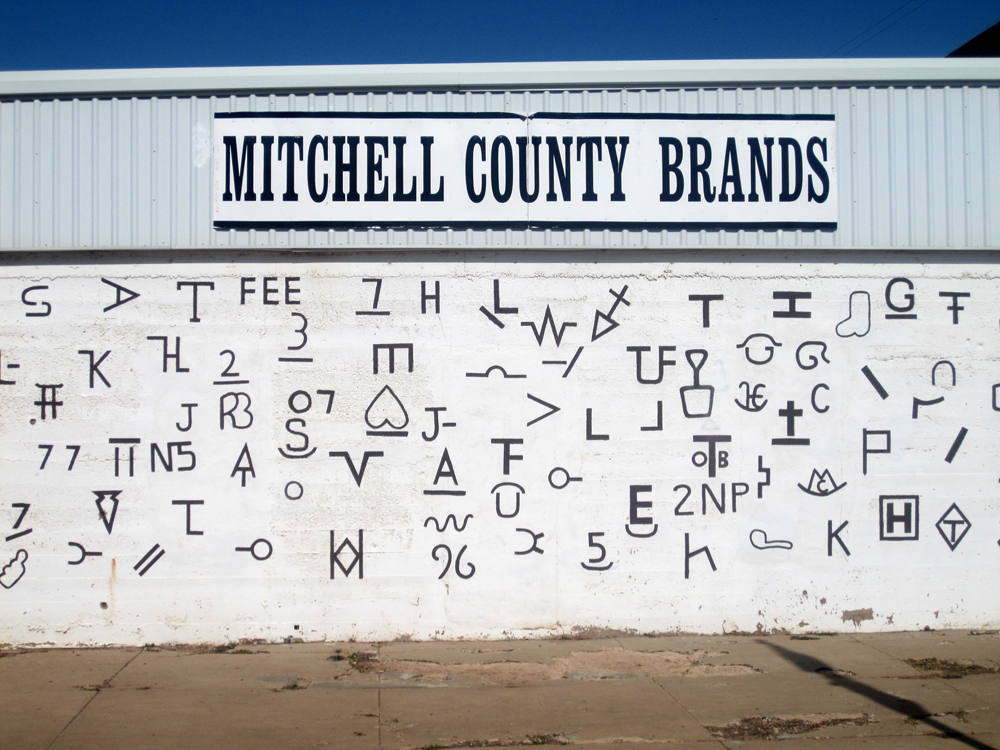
[(106, 683)]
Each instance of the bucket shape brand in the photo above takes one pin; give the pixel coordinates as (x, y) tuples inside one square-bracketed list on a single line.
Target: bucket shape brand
[(696, 400)]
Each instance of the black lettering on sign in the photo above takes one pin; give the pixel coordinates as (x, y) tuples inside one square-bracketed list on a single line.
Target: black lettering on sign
[(240, 166)]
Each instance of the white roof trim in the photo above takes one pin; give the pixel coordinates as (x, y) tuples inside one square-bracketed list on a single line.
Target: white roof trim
[(501, 76)]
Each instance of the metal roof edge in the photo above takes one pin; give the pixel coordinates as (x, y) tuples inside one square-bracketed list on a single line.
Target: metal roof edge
[(499, 76)]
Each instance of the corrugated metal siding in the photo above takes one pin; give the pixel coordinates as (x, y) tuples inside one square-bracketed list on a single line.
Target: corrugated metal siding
[(919, 167)]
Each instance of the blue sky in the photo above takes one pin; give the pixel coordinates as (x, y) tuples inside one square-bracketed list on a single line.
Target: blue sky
[(41, 35)]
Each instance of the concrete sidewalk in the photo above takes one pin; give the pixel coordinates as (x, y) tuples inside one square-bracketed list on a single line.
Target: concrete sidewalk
[(938, 689)]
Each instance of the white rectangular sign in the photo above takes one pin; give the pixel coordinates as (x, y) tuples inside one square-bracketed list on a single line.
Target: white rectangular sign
[(295, 170)]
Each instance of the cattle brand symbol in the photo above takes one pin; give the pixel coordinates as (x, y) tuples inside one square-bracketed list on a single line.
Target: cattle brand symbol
[(953, 526), (899, 518)]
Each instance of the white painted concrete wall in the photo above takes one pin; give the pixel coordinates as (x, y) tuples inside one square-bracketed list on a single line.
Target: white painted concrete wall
[(204, 588)]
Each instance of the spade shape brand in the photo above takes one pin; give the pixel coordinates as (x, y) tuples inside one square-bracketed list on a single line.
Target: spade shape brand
[(696, 399)]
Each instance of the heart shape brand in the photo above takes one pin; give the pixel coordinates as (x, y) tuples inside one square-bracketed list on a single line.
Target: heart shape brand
[(386, 410)]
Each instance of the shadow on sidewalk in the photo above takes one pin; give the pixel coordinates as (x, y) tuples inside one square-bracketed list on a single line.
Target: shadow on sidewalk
[(907, 708)]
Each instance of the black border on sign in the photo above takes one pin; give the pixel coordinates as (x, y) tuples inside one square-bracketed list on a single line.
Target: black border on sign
[(726, 226), (513, 116)]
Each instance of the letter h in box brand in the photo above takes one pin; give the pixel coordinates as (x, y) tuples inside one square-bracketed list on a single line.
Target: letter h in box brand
[(544, 171)]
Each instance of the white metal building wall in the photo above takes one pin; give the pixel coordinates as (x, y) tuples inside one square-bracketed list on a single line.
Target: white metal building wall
[(918, 159)]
